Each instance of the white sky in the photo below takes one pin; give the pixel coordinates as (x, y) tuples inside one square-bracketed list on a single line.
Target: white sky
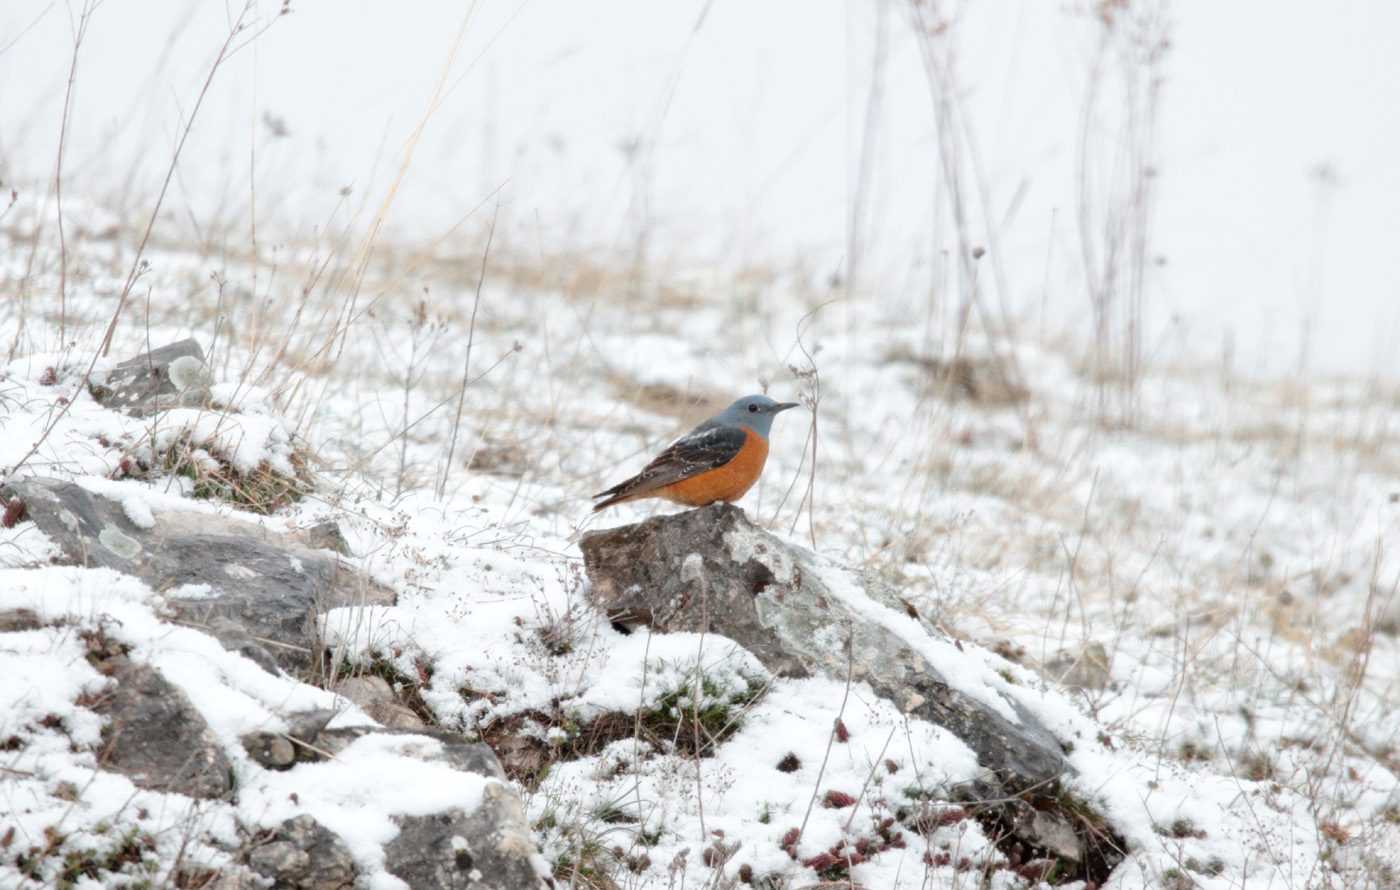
[(731, 132)]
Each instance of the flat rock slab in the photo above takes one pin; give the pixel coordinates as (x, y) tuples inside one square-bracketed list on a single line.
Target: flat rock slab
[(255, 590), (710, 570), (156, 737)]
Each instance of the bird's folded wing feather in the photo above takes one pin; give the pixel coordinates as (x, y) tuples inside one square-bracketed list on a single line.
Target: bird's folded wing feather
[(690, 455)]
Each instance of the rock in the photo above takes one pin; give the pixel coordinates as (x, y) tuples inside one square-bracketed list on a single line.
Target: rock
[(262, 588), (157, 738), (300, 743), (376, 698), (233, 636), (168, 377), (1086, 669), (273, 750), (1052, 832), (19, 619), (326, 536), (306, 855), (488, 848), (710, 570), (236, 881)]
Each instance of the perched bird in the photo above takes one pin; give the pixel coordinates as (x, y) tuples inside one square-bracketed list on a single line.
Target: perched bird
[(719, 460)]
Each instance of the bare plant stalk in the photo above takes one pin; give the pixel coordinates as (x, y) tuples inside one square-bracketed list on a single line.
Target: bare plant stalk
[(695, 691), (230, 46), (89, 7), (139, 265), (467, 360), (353, 279), (873, 102), (831, 739), (1116, 202), (420, 326), (935, 33)]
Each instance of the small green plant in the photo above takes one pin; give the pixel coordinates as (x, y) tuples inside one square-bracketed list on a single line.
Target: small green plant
[(1212, 866), (124, 864), (696, 722), (577, 845), (1180, 828)]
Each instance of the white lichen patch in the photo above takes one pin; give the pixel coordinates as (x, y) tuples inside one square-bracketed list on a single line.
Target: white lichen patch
[(119, 543)]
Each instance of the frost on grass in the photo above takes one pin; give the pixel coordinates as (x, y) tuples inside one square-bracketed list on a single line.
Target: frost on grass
[(1229, 553)]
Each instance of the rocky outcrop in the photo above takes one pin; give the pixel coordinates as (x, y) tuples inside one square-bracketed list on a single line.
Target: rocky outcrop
[(260, 594), (255, 590), (710, 570)]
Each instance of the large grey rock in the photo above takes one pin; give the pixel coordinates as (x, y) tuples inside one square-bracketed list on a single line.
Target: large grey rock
[(262, 588), (157, 738), (168, 377), (710, 570), (304, 855)]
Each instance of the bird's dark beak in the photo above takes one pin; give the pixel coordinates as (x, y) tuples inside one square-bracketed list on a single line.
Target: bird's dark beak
[(783, 406)]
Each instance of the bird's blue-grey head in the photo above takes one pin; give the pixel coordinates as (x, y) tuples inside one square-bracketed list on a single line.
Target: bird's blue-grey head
[(754, 412)]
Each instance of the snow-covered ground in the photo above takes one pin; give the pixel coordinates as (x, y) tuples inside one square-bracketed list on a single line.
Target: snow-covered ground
[(1212, 558)]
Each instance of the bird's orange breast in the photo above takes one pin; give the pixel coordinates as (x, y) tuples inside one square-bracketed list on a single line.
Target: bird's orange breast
[(726, 483)]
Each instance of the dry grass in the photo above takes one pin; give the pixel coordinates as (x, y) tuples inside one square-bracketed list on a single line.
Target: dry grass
[(1043, 518)]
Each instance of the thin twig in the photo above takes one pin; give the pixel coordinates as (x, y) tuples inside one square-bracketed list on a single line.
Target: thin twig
[(816, 789), (89, 7), (137, 264), (467, 360)]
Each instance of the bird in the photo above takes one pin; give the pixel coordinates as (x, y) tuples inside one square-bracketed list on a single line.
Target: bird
[(719, 460)]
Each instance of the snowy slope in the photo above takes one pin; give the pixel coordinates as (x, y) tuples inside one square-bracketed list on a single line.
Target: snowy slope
[(1230, 553)]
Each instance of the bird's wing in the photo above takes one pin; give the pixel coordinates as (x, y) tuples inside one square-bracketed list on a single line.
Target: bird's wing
[(690, 455)]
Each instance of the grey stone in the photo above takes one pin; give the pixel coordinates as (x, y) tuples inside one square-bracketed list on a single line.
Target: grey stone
[(376, 697), (299, 744), (1053, 832), (1087, 668), (233, 636), (710, 570), (238, 880), (167, 377), (157, 738), (326, 536), (272, 750), (487, 848), (305, 855), (265, 587)]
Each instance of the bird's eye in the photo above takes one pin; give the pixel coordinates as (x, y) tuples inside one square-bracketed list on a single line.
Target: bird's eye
[(753, 407)]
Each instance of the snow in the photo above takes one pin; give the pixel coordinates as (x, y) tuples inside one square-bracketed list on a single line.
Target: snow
[(1230, 547), (492, 605)]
